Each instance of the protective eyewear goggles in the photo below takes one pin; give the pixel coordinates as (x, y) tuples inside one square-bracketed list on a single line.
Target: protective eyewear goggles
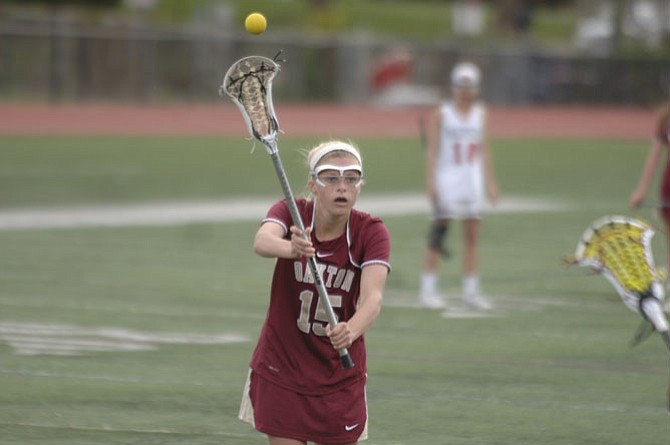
[(352, 175)]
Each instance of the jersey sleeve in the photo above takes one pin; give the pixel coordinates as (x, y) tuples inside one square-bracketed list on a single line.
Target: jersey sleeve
[(377, 244), (280, 214)]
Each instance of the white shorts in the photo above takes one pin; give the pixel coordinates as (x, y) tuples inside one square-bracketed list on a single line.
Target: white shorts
[(459, 196), (246, 413)]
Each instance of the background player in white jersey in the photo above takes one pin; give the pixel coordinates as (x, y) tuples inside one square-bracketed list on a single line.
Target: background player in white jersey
[(458, 173)]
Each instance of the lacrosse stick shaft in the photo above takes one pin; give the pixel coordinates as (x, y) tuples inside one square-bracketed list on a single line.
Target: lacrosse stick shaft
[(652, 310), (248, 82), (345, 358)]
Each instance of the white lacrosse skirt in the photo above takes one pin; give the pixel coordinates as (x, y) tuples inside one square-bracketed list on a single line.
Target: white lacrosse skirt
[(460, 194)]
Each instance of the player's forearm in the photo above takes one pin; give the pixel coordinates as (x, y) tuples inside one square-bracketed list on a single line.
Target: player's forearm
[(369, 306), (270, 246), (366, 314), (649, 167)]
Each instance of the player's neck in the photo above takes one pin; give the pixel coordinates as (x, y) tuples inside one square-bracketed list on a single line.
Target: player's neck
[(329, 227), (463, 107)]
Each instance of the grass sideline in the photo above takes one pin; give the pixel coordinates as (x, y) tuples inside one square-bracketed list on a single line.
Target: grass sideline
[(551, 365)]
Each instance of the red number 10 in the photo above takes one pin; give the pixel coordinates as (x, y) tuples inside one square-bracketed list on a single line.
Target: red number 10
[(473, 148)]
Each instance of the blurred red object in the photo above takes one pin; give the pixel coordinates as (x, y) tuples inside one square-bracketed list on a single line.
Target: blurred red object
[(393, 69)]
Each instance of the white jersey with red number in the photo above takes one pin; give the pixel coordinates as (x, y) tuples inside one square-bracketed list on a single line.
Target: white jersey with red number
[(293, 350), (459, 177)]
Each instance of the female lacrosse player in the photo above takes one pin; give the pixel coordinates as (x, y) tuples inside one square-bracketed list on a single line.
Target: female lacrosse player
[(458, 169), (659, 147), (297, 390)]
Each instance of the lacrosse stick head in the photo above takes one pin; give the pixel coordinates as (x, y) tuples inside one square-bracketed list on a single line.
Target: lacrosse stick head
[(619, 248), (248, 82)]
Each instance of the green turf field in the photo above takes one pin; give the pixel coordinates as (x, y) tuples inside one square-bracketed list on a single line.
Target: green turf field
[(165, 317)]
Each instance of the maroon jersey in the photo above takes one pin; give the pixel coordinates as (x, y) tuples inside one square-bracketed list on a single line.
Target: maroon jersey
[(662, 136), (293, 350)]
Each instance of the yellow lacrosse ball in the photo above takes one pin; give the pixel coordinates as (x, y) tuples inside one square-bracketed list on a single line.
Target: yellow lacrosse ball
[(255, 23)]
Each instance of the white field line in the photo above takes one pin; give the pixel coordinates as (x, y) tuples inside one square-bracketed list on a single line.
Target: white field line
[(230, 210), (35, 338), (46, 303), (503, 305), (52, 330), (82, 171)]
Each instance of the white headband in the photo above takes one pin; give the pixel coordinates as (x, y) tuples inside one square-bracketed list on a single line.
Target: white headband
[(323, 151)]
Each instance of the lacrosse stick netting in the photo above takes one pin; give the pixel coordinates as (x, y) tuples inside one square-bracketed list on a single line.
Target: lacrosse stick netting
[(619, 248), (248, 83)]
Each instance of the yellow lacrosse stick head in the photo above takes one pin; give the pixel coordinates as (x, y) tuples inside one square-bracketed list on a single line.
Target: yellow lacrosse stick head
[(619, 248)]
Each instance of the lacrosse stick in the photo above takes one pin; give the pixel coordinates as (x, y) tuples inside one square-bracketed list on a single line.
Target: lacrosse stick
[(619, 248), (248, 83)]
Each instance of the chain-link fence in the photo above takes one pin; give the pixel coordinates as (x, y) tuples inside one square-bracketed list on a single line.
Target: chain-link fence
[(62, 61)]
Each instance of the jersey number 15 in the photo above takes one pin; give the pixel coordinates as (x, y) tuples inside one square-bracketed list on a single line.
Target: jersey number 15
[(318, 325)]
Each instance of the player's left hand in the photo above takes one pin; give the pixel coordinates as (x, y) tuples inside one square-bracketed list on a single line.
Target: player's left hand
[(340, 336)]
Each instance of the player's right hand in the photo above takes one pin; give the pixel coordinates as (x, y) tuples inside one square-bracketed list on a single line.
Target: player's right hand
[(301, 245)]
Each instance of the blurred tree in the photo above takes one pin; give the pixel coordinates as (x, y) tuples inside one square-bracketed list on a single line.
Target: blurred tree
[(664, 8), (324, 15), (617, 25), (57, 50)]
